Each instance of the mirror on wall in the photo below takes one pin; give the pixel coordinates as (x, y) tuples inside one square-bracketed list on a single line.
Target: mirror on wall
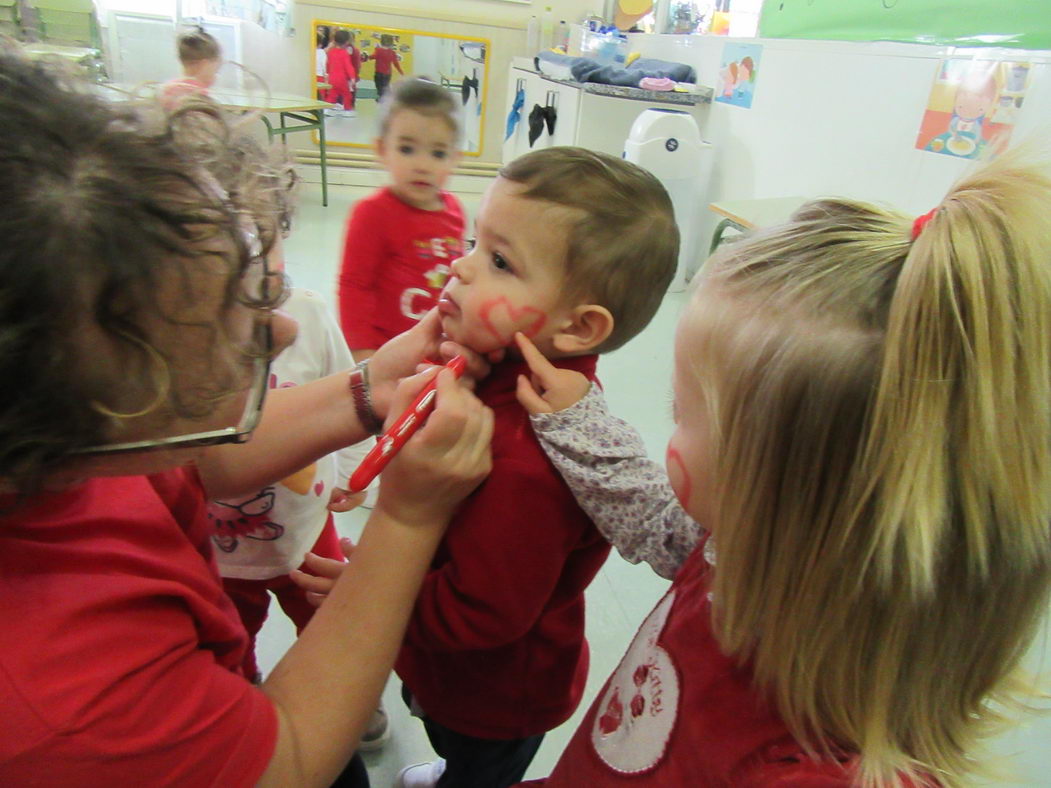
[(381, 56)]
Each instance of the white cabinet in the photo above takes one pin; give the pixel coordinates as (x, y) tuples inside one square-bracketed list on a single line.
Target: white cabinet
[(585, 119)]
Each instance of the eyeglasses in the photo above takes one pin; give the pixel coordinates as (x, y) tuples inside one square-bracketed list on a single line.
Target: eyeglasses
[(258, 284)]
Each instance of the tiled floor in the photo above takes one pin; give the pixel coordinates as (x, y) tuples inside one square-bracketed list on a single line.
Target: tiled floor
[(637, 379)]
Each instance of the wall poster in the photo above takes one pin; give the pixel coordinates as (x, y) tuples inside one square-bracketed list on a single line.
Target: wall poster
[(972, 104)]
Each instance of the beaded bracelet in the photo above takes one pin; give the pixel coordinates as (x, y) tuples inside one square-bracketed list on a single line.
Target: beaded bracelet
[(362, 393)]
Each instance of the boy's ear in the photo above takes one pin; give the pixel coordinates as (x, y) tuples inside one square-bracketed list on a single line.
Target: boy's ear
[(585, 328)]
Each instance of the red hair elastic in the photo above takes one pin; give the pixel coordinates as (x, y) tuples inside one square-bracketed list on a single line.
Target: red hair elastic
[(921, 222)]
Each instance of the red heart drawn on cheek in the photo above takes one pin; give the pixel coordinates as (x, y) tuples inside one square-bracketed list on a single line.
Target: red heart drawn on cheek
[(515, 315), (611, 720), (319, 488)]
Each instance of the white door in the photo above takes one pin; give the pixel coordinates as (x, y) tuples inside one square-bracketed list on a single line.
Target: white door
[(145, 49)]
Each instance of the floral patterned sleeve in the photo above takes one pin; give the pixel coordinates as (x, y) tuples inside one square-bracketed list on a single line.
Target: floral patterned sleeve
[(626, 494)]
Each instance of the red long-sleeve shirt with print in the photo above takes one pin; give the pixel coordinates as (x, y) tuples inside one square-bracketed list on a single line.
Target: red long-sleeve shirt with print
[(396, 260)]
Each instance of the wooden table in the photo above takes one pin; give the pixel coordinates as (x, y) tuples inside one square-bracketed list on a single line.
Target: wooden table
[(40, 49), (308, 114), (751, 214)]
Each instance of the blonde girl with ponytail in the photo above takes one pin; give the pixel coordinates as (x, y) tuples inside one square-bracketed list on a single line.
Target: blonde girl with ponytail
[(863, 434)]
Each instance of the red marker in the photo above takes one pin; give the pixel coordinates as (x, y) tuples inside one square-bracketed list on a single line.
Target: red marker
[(401, 430)]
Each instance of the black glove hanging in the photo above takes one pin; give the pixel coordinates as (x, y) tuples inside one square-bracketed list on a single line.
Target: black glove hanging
[(536, 123), (465, 88), (550, 116)]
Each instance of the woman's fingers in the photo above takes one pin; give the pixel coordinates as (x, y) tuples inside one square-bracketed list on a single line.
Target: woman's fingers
[(444, 461), (477, 366), (408, 389)]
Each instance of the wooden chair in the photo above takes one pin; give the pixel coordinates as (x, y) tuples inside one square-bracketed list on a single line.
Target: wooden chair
[(744, 215)]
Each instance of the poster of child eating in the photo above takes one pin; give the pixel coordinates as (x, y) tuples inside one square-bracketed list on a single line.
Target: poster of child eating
[(972, 103)]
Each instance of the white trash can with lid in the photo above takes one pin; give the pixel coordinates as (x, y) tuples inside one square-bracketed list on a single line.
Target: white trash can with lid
[(668, 143)]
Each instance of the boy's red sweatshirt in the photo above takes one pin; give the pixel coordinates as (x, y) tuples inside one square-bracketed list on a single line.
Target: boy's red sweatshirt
[(495, 647)]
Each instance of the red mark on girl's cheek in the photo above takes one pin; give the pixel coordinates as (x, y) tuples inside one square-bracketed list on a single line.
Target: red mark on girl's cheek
[(500, 309), (680, 480)]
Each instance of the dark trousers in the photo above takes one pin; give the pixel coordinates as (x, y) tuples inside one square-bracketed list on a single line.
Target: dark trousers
[(353, 775), (471, 762), (382, 83)]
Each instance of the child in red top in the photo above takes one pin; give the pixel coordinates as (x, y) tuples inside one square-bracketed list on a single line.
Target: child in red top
[(862, 428), (495, 655), (385, 57), (342, 75), (401, 239), (201, 57)]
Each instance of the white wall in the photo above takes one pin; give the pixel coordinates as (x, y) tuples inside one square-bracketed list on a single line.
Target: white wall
[(834, 118)]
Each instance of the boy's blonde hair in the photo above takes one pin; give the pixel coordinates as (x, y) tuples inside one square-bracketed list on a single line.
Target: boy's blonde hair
[(197, 45), (882, 422), (624, 246)]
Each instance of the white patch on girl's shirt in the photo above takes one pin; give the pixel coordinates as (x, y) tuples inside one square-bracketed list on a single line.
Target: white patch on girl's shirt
[(638, 709)]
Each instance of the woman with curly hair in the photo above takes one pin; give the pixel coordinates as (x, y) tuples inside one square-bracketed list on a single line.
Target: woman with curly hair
[(137, 321)]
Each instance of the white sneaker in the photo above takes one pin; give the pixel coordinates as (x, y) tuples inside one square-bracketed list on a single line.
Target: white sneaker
[(349, 113), (332, 112), (420, 775), (377, 733)]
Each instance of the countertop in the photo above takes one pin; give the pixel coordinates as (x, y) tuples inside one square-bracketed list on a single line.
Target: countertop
[(701, 94)]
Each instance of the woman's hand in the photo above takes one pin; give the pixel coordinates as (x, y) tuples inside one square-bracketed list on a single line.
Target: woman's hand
[(445, 460), (549, 388), (403, 354), (434, 471)]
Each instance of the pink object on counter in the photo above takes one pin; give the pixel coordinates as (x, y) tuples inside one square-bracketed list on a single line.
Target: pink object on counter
[(657, 83)]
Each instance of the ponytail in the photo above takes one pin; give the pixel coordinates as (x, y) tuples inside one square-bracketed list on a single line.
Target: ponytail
[(957, 462), (962, 428)]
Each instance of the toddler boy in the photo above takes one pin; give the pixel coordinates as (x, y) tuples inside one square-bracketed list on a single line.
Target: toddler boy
[(575, 249)]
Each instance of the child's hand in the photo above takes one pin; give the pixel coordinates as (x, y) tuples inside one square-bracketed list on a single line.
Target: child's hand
[(550, 389), (444, 461), (326, 572), (340, 500)]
